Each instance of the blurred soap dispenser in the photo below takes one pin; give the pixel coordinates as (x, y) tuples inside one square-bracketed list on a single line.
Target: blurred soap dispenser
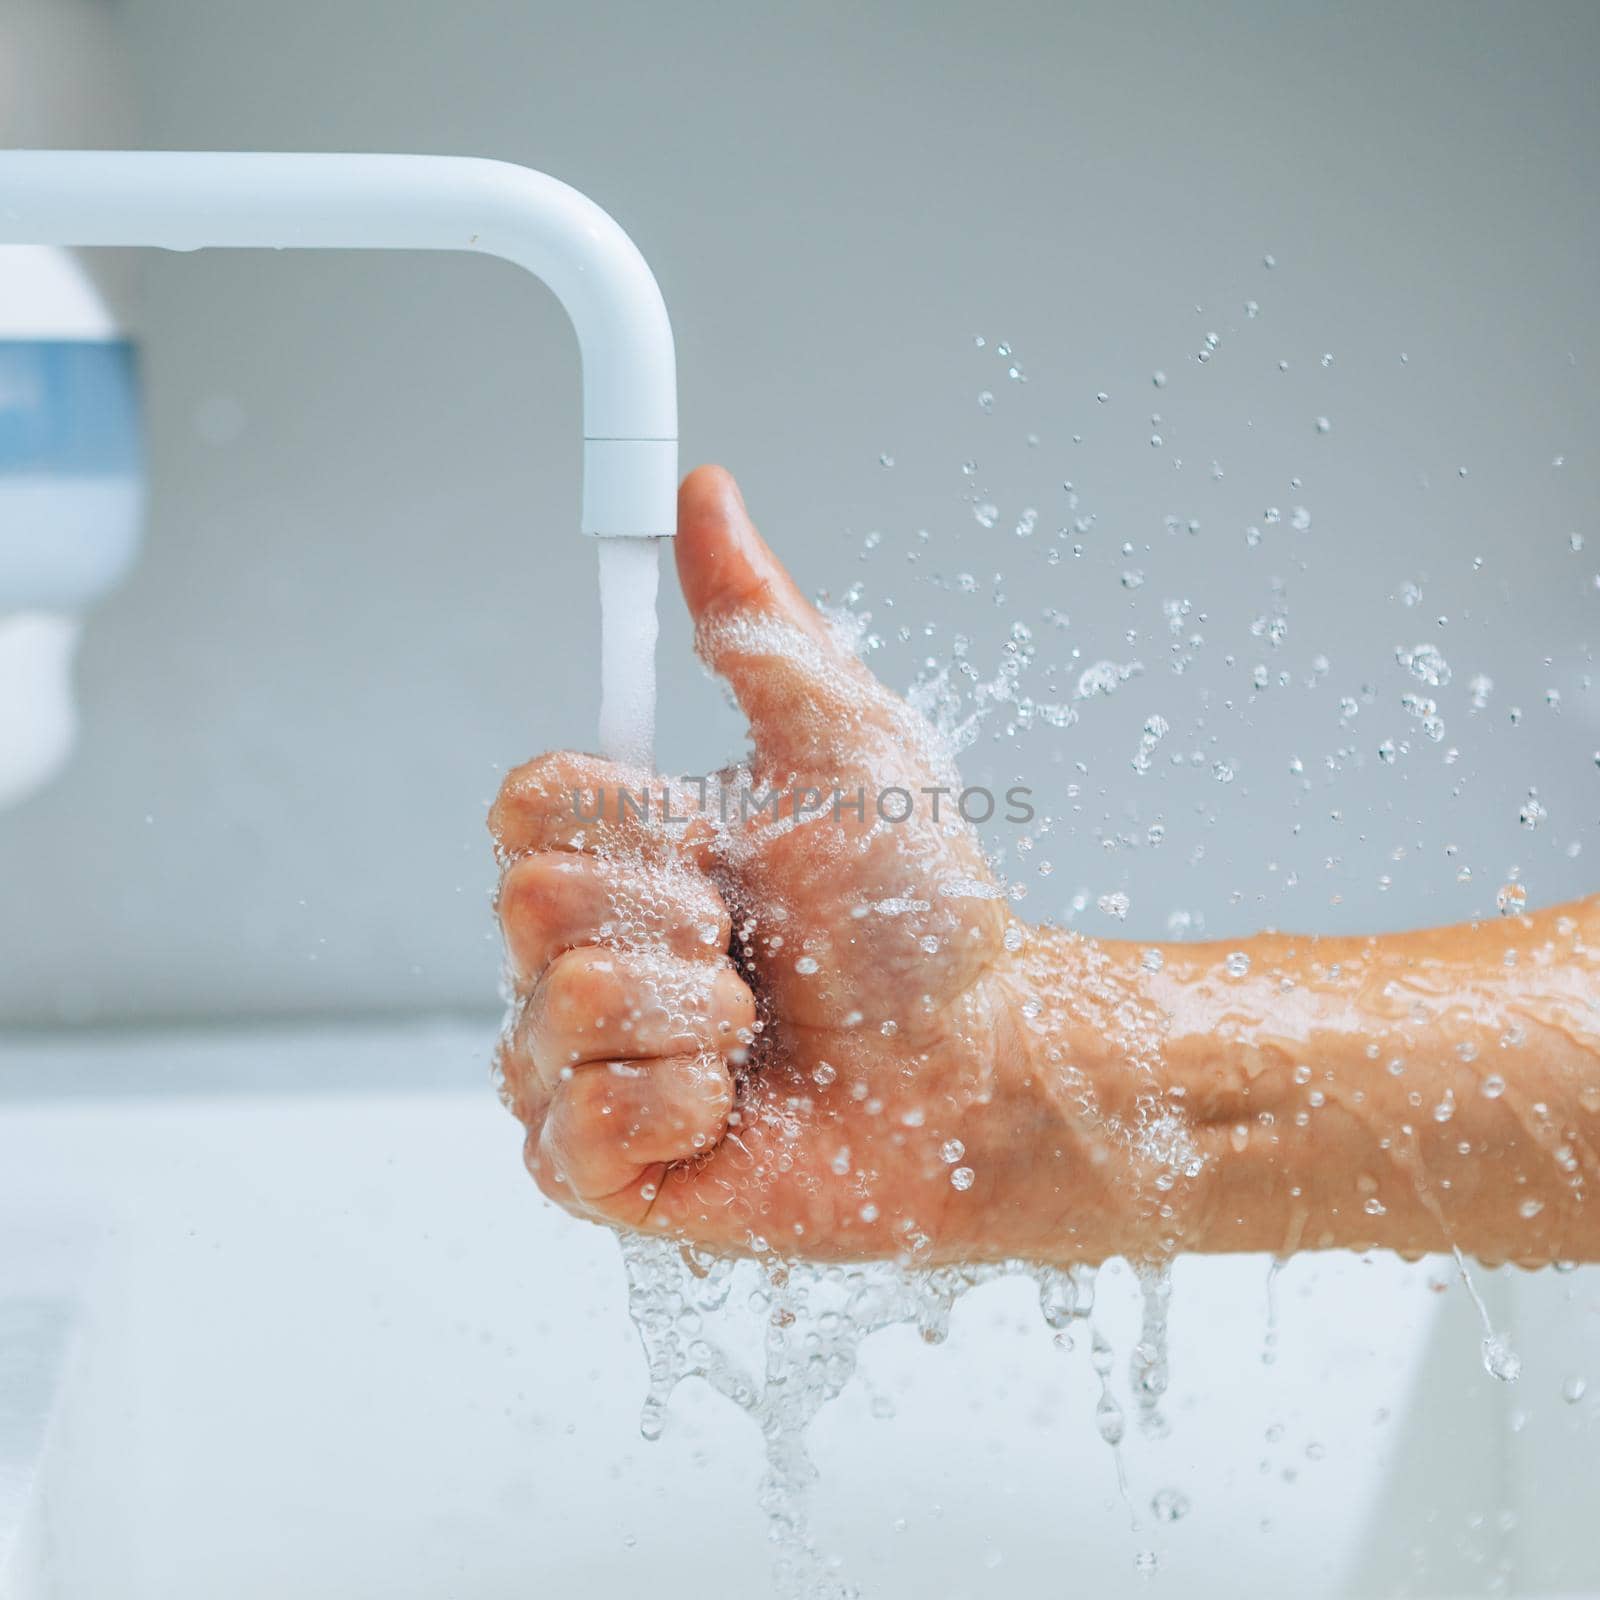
[(71, 495)]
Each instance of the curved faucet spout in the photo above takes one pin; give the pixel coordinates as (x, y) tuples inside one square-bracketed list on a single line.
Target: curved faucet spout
[(183, 200)]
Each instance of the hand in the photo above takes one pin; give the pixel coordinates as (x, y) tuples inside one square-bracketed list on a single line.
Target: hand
[(804, 1027), (801, 1027)]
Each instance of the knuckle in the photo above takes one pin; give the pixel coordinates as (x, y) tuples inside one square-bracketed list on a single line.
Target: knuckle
[(712, 1087), (518, 1091), (538, 791), (566, 993), (545, 1169), (522, 894), (533, 887), (581, 993), (709, 914), (515, 790), (736, 1004), (594, 1098)]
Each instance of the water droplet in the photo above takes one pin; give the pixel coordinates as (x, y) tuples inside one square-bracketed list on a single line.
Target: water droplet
[(952, 1151), (1238, 964), (1499, 1360), (1169, 1505), (1573, 1390), (986, 400), (652, 1418), (1324, 425), (824, 1073), (1159, 378), (1493, 1086), (1425, 663), (1511, 898), (1108, 1419), (805, 966), (1114, 905), (962, 1178)]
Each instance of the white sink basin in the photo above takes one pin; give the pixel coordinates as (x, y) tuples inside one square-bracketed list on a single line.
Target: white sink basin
[(331, 1342)]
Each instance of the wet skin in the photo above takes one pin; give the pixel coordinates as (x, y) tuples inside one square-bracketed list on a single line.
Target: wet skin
[(813, 1031)]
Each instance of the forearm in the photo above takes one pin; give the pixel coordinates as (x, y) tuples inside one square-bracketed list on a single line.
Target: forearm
[(1409, 1092)]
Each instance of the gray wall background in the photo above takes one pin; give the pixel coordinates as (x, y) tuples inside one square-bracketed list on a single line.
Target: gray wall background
[(362, 596)]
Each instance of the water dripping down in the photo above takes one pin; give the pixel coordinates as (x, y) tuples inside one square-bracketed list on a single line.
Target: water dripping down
[(1148, 1367), (1499, 1359)]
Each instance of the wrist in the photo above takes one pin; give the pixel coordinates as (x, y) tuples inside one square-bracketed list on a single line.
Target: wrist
[(1114, 1158)]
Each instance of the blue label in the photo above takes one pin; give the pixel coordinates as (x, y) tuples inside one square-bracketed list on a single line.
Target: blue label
[(69, 407)]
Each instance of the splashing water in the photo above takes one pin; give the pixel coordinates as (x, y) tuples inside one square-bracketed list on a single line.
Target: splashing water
[(694, 1311), (780, 1338), (629, 575), (703, 1316)]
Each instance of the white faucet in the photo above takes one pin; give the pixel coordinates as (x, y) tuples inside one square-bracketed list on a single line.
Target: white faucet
[(182, 200), (185, 200)]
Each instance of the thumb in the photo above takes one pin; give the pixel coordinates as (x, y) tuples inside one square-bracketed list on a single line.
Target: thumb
[(807, 696)]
